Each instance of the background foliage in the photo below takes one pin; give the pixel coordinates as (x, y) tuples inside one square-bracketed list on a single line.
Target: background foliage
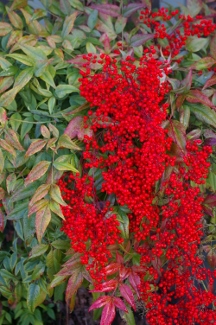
[(39, 90)]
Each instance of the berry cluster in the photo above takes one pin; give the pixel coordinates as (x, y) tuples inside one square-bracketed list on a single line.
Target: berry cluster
[(176, 37), (133, 160)]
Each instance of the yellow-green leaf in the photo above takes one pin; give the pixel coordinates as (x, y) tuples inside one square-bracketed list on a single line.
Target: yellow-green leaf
[(55, 194), (23, 59), (66, 142), (68, 24), (6, 146), (35, 146), (40, 193), (37, 206), (15, 19), (5, 28), (37, 172), (42, 220), (55, 207), (12, 138)]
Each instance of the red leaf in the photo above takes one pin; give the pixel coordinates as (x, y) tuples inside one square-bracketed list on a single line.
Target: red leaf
[(112, 268), (107, 9), (107, 286), (108, 314), (210, 200), (1, 221), (124, 272), (119, 304), (73, 285), (210, 82), (100, 302), (134, 280), (132, 8), (196, 96), (127, 294)]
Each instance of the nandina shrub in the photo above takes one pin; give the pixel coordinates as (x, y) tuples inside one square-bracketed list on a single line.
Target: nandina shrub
[(108, 111), (134, 214)]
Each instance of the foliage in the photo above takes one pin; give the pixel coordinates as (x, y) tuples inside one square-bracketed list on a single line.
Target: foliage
[(53, 63)]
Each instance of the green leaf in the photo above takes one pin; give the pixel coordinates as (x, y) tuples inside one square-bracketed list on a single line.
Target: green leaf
[(26, 126), (55, 207), (61, 244), (35, 296), (39, 250), (62, 163), (120, 24), (203, 113), (34, 53), (77, 4), (92, 19), (195, 44), (66, 142), (63, 90), (128, 317), (90, 48), (15, 121), (55, 194), (23, 59)]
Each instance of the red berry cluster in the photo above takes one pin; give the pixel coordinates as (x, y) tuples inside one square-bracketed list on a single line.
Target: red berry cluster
[(176, 37), (129, 161)]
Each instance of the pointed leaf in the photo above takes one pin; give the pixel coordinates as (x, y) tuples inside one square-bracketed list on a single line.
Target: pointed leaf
[(203, 113), (196, 96), (22, 58), (107, 286), (1, 221), (6, 146), (127, 294), (132, 8), (138, 40), (73, 285), (35, 296), (37, 172), (5, 28), (38, 250), (107, 9), (68, 24), (195, 44), (40, 193), (42, 220), (100, 302), (63, 90), (119, 304), (213, 47), (108, 314), (210, 82), (35, 146), (55, 207), (12, 138), (5, 83), (66, 142), (204, 63), (55, 194), (37, 206)]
